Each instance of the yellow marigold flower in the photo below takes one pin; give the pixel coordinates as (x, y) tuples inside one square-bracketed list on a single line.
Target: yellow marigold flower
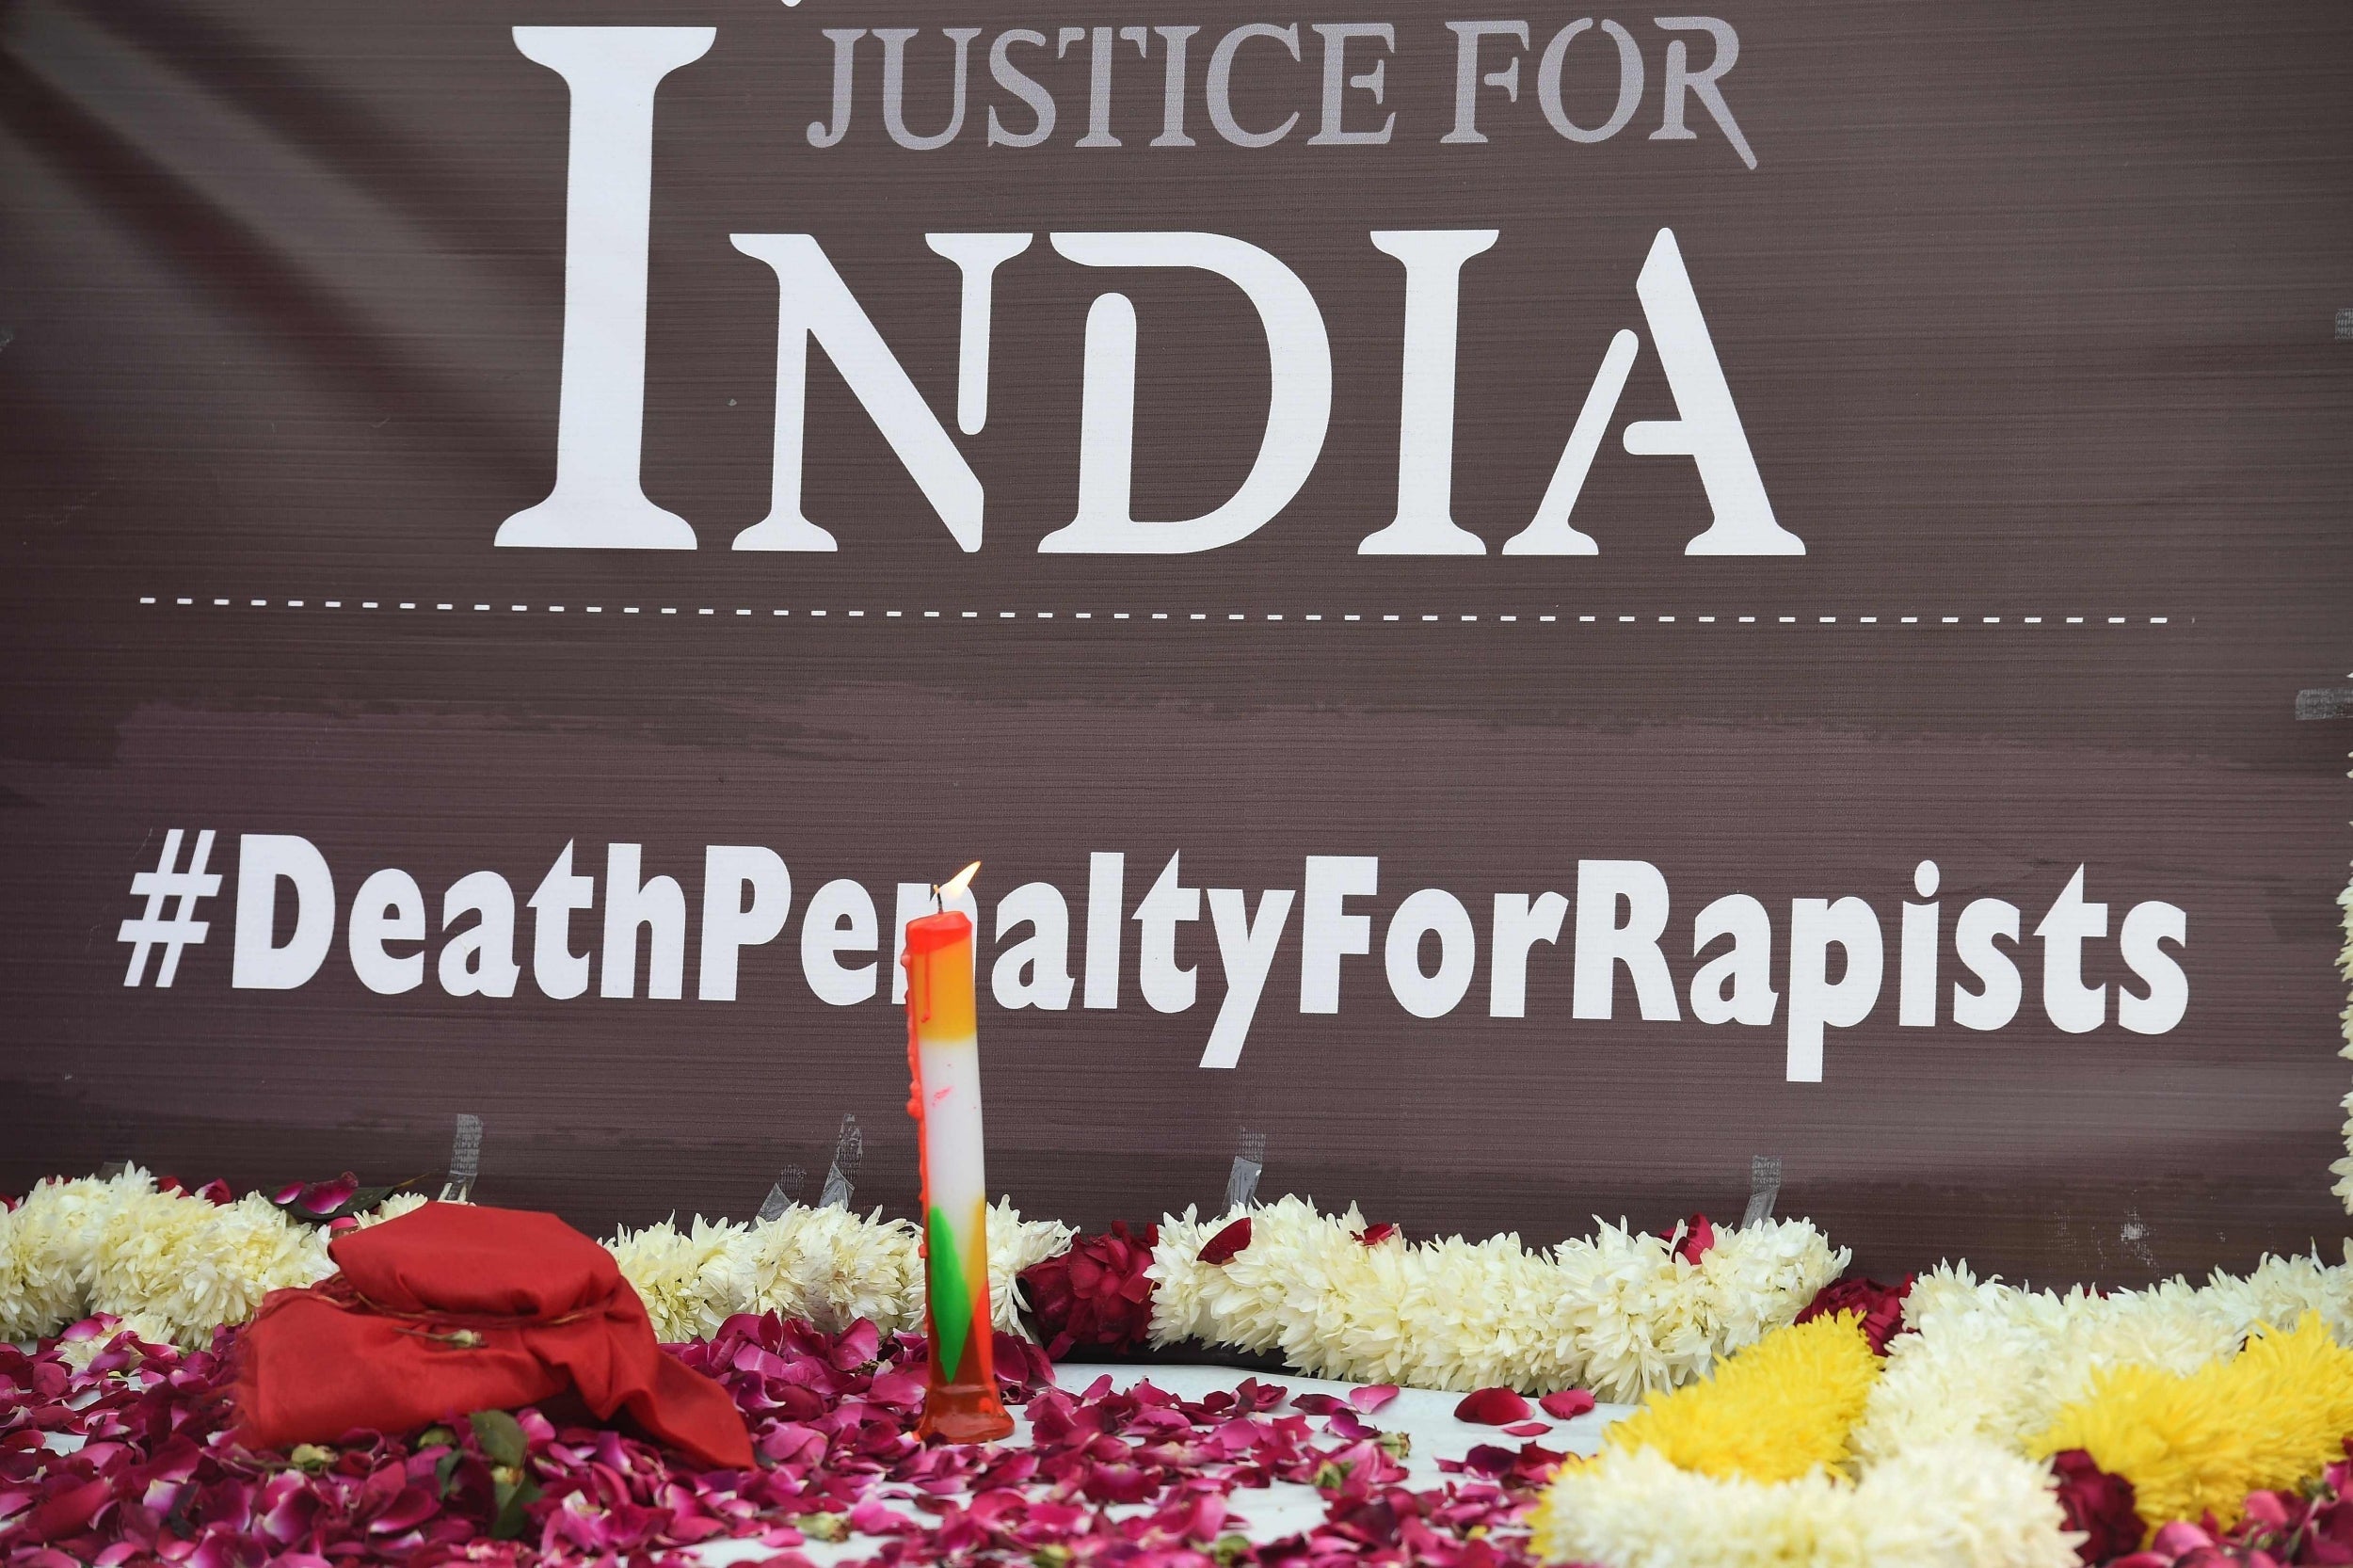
[(2271, 1417), (1773, 1412)]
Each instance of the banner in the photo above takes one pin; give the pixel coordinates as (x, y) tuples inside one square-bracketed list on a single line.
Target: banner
[(1530, 616)]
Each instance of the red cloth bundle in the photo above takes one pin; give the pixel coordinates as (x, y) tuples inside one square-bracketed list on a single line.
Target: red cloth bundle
[(456, 1309)]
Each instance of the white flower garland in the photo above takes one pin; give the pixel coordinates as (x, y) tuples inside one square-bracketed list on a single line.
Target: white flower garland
[(1620, 1314), (1995, 1362), (826, 1265), (1951, 1503), (1941, 1473), (172, 1265)]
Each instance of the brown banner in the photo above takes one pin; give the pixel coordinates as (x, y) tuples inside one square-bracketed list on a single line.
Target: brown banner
[(1528, 609)]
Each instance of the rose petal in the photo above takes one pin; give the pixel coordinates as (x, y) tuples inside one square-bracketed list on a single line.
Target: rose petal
[(1373, 1236), (1371, 1399), (1526, 1429), (1568, 1404), (1492, 1407), (324, 1197), (1222, 1247), (1698, 1237)]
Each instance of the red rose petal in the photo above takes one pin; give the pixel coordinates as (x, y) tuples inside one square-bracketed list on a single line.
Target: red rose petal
[(1373, 1236), (1372, 1399), (1526, 1429), (1492, 1407), (1568, 1404), (1698, 1237), (1222, 1247)]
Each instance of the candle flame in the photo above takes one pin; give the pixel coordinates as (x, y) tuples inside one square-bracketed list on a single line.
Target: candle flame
[(959, 882)]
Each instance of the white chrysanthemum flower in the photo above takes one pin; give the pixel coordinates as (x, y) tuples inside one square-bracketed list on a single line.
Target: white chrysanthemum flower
[(1015, 1244), (2279, 1291), (1255, 1299), (1999, 1361), (187, 1265), (390, 1208), (1761, 1276), (832, 1268), (49, 1251), (1956, 1504), (1639, 1315), (1488, 1312), (1973, 1374), (691, 1281), (45, 1265), (1181, 1283)]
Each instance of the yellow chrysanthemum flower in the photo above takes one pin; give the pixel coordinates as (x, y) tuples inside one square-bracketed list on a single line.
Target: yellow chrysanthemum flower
[(2272, 1416), (1775, 1411)]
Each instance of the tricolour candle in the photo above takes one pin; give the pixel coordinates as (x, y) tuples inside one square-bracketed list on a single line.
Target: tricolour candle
[(960, 1400)]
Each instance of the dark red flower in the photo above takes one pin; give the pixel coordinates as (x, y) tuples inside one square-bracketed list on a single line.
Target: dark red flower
[(1880, 1306), (1222, 1247), (1568, 1404), (1373, 1236), (1096, 1294), (216, 1193), (1492, 1407), (2099, 1504)]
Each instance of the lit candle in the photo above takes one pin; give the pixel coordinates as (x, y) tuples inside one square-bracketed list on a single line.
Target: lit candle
[(960, 1400)]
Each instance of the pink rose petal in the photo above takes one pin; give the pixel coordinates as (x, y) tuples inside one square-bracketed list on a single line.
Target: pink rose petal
[(1568, 1404), (1371, 1399), (324, 1197)]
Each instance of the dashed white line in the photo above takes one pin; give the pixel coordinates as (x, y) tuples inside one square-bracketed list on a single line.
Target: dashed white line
[(1230, 615)]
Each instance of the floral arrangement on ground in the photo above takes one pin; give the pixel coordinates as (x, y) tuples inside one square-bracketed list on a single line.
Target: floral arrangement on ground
[(1788, 1413)]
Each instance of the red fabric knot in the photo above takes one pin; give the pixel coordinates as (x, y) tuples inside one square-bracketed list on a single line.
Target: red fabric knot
[(454, 1308)]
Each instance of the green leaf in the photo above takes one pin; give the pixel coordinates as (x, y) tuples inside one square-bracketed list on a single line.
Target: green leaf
[(511, 1520), (445, 1467), (501, 1436)]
